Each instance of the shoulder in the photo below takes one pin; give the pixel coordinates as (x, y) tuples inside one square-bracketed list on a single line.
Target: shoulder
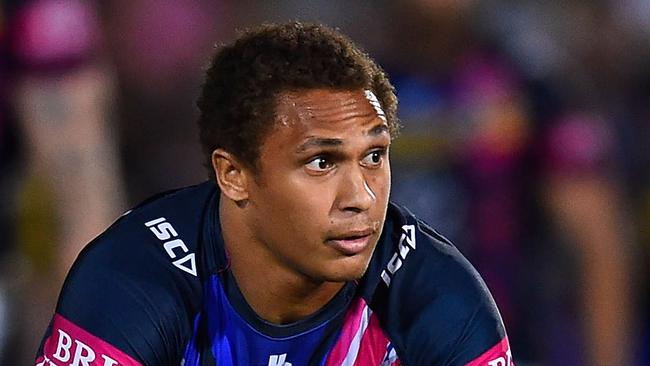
[(137, 286), (160, 234), (158, 240), (434, 304), (424, 256), (410, 252)]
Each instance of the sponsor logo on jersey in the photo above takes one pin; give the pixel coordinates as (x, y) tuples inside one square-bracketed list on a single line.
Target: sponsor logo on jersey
[(75, 351), (278, 360), (406, 244), (70, 345), (174, 246)]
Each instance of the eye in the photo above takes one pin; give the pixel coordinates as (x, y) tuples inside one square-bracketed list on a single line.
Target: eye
[(319, 164), (373, 159)]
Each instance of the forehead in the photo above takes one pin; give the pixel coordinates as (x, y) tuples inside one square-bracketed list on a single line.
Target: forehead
[(327, 109)]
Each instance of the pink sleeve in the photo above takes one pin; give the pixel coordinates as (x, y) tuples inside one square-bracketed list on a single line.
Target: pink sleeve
[(67, 343)]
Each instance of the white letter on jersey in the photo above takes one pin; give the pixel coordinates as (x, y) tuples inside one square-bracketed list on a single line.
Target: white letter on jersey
[(162, 231), (278, 360), (171, 245), (502, 361), (85, 358), (63, 347), (109, 361)]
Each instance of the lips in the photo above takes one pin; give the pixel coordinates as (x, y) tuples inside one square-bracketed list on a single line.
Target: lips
[(351, 242)]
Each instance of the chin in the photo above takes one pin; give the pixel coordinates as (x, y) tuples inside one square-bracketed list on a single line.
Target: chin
[(346, 272)]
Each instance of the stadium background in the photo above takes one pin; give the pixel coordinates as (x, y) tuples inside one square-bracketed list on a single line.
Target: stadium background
[(526, 141)]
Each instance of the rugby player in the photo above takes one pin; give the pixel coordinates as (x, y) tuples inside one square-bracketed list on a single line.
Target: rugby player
[(291, 254)]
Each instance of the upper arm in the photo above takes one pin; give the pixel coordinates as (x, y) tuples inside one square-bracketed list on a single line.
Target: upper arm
[(455, 327), (112, 311), (436, 309)]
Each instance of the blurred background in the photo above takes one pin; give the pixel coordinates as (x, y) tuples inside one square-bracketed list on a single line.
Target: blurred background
[(526, 141)]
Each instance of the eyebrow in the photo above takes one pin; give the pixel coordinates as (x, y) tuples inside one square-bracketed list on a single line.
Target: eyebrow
[(316, 142), (320, 142)]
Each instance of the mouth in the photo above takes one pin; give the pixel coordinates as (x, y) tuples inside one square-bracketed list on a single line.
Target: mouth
[(351, 242)]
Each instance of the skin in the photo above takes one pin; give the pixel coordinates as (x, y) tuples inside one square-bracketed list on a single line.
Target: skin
[(74, 166), (309, 218), (588, 208)]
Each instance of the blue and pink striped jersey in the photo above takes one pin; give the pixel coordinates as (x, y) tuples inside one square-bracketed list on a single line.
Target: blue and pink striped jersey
[(155, 289)]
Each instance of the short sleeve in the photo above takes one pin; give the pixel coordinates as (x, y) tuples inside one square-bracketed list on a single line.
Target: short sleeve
[(123, 303)]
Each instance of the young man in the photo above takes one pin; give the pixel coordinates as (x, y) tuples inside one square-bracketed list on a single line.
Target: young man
[(292, 253)]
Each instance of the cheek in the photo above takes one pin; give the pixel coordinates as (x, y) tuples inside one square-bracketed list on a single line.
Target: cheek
[(297, 201), (380, 184), (312, 202)]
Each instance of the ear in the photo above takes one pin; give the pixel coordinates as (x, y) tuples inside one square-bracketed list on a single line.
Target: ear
[(231, 175)]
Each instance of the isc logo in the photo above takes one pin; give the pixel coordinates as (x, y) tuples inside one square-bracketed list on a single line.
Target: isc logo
[(174, 246), (406, 244)]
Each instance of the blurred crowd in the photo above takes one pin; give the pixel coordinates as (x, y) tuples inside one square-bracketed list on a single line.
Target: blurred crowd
[(525, 140)]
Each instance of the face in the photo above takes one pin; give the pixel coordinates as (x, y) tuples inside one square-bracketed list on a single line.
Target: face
[(319, 200)]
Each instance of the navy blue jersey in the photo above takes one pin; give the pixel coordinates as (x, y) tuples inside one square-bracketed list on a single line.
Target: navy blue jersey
[(155, 289)]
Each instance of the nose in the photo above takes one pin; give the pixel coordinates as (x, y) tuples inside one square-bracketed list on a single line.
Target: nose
[(355, 194)]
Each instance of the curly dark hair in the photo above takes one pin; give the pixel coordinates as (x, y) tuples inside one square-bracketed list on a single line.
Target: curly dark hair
[(237, 103)]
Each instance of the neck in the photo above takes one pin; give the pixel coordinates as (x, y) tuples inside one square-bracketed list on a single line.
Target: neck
[(276, 293)]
